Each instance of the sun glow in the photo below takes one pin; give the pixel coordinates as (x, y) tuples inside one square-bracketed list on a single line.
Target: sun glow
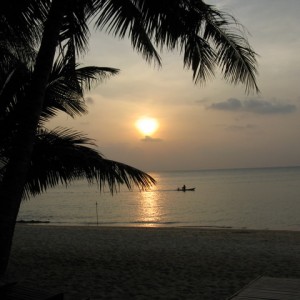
[(147, 126)]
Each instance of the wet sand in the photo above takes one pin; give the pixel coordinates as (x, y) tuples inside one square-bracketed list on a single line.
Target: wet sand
[(149, 263)]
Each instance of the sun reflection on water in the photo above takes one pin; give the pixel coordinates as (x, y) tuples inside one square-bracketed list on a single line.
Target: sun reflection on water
[(150, 209)]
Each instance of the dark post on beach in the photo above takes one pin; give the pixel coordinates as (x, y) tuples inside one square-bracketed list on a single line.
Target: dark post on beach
[(97, 212)]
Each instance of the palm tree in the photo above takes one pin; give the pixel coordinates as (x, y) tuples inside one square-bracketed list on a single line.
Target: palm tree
[(61, 155), (206, 37)]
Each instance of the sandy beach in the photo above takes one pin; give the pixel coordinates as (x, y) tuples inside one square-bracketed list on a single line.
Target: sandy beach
[(149, 263)]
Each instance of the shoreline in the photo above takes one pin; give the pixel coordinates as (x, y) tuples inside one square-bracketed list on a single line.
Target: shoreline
[(108, 262), (158, 226)]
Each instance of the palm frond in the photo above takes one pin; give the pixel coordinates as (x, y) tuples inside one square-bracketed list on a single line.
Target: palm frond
[(12, 86), (233, 52), (21, 21), (125, 18), (62, 156), (200, 57), (67, 83), (15, 54), (75, 31), (90, 76)]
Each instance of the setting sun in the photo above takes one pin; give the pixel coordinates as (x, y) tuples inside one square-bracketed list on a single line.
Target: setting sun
[(147, 126)]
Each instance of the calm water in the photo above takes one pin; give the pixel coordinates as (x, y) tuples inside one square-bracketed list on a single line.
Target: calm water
[(242, 198)]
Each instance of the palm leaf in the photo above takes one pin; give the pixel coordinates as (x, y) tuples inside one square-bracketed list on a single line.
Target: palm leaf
[(67, 83), (75, 31), (234, 54), (89, 77), (21, 22), (62, 156), (125, 18)]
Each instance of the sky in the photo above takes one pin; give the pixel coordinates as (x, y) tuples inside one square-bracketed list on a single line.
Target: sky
[(211, 126)]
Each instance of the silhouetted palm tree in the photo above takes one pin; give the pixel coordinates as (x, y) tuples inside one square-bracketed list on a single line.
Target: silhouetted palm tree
[(206, 37)]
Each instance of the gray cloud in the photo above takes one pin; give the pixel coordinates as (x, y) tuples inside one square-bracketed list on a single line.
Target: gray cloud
[(254, 106), (148, 138), (231, 104)]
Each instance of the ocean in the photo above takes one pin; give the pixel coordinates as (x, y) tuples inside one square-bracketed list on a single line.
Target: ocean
[(260, 198)]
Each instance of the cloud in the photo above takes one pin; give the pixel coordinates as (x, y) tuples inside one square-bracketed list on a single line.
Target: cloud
[(148, 138), (231, 104), (253, 106)]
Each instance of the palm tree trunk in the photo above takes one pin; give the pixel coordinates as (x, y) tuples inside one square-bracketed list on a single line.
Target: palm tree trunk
[(11, 189)]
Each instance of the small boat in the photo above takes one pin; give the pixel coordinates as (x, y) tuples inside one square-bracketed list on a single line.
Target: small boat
[(186, 189)]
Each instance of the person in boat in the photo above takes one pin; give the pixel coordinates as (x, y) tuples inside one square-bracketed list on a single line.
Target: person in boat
[(184, 187)]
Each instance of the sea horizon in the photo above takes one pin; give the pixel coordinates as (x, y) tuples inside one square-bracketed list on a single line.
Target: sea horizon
[(224, 169)]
